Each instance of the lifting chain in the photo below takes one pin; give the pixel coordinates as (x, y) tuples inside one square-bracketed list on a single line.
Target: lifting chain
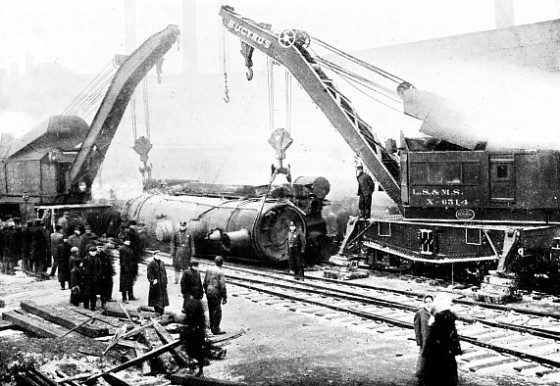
[(226, 90)]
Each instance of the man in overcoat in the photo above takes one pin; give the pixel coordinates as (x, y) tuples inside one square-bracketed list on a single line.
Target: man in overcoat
[(421, 329), (56, 240), (182, 250), (93, 273), (157, 276), (129, 271), (63, 252), (107, 273)]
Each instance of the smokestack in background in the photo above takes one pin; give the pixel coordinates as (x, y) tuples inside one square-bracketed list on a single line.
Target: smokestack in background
[(188, 38), (504, 13), (129, 26)]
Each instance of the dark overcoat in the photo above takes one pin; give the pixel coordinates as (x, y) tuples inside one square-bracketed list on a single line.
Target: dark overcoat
[(129, 268), (93, 272), (63, 261), (439, 351), (182, 249), (157, 295)]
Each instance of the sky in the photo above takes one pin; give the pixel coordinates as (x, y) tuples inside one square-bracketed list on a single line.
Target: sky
[(82, 35)]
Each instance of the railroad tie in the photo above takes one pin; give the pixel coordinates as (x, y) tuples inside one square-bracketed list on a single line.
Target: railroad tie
[(525, 366), (493, 362), (478, 355)]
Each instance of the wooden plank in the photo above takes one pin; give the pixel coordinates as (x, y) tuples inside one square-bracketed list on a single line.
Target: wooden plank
[(183, 379), (64, 318), (114, 381), (113, 322), (120, 332), (5, 325), (166, 337), (132, 362), (34, 324), (165, 360), (114, 309)]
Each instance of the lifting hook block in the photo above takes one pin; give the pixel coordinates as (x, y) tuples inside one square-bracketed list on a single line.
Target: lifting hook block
[(249, 73)]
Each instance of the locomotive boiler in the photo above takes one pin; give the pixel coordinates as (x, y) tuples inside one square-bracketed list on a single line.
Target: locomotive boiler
[(240, 227)]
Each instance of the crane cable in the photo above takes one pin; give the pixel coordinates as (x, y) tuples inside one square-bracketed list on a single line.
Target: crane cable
[(145, 96), (270, 76), (360, 62), (224, 54)]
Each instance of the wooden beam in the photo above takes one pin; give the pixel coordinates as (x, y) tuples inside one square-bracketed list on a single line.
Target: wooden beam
[(166, 337), (114, 309), (64, 318), (165, 360), (191, 380), (34, 324), (134, 361), (114, 381)]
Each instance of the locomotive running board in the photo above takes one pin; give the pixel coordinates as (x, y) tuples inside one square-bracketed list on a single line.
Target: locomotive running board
[(383, 248)]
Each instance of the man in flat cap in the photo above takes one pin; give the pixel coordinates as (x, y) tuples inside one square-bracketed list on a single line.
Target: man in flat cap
[(182, 250), (366, 187)]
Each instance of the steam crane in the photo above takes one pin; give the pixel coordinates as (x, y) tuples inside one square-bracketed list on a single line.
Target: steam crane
[(463, 202), (57, 162)]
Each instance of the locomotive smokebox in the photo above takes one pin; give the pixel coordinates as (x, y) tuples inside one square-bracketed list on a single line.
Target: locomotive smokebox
[(238, 227)]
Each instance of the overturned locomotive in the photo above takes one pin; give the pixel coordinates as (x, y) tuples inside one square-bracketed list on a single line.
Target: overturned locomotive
[(239, 221)]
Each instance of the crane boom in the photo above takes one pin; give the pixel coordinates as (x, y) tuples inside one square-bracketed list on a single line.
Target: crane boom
[(106, 121), (339, 110)]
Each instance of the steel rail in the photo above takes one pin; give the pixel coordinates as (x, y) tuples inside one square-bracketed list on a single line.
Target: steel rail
[(369, 315)]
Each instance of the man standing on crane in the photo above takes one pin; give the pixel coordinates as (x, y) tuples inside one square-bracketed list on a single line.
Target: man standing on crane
[(366, 187)]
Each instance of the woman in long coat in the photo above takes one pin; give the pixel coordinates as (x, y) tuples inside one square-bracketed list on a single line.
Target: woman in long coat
[(441, 347), (157, 276)]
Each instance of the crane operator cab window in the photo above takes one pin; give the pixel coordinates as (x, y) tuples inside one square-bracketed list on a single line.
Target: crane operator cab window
[(446, 173)]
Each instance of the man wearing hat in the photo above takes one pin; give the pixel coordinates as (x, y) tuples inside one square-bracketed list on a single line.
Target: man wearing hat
[(107, 273), (366, 188), (216, 294), (93, 274), (129, 271), (191, 284), (182, 250), (157, 276)]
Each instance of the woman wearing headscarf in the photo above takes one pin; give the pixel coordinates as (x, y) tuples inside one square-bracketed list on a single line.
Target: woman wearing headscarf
[(441, 346)]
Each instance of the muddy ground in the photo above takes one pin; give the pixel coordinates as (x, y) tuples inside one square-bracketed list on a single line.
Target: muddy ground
[(279, 347)]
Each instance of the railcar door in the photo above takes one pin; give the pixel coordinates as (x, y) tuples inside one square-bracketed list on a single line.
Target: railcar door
[(502, 179)]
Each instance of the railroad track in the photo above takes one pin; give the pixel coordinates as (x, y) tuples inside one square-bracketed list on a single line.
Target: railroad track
[(495, 337)]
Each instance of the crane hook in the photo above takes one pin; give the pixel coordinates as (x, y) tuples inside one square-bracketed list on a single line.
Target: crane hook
[(249, 73)]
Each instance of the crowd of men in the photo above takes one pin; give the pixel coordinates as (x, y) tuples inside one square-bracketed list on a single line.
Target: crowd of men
[(78, 257)]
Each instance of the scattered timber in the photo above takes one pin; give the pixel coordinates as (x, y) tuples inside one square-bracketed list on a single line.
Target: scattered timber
[(34, 324), (164, 361), (146, 356), (114, 381), (116, 309), (182, 359), (62, 317), (191, 380)]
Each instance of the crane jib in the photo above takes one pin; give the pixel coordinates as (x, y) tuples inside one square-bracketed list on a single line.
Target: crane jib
[(337, 108)]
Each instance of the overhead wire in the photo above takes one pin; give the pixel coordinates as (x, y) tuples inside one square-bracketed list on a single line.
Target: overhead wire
[(362, 63), (100, 82)]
